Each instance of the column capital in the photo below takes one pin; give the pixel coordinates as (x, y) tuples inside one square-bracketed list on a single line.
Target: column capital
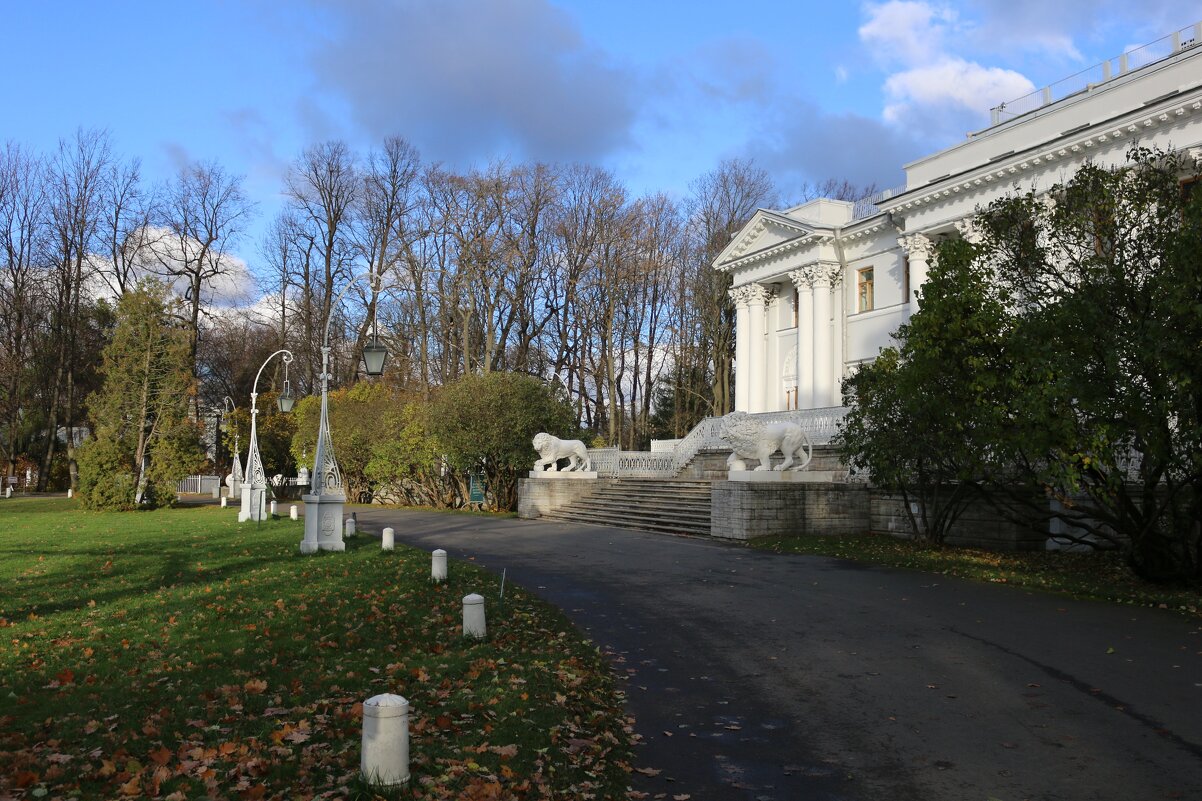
[(820, 275), (969, 230), (751, 295), (917, 246)]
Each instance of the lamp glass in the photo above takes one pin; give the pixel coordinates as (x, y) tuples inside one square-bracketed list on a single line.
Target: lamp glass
[(374, 356), (286, 398)]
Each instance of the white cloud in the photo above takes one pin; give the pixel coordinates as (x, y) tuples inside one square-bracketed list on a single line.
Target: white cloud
[(951, 82), (906, 31)]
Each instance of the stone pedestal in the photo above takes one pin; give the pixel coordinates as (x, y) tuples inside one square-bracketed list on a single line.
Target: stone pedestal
[(254, 503), (323, 523), (784, 476), (474, 624), (385, 754), (568, 474)]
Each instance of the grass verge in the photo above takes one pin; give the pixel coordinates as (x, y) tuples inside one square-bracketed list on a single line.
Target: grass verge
[(179, 654), (1100, 576)]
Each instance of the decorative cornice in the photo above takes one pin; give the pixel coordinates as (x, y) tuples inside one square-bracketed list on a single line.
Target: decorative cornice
[(1082, 146)]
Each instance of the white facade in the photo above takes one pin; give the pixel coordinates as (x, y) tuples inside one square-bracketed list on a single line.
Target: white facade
[(820, 288)]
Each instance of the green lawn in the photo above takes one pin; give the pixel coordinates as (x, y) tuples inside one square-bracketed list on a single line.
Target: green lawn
[(178, 654), (1099, 576)]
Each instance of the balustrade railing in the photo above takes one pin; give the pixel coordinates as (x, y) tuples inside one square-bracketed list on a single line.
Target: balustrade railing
[(819, 424), (1087, 79)]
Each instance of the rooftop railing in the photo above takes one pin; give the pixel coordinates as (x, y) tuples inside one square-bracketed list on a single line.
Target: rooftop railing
[(867, 206), (1089, 79)]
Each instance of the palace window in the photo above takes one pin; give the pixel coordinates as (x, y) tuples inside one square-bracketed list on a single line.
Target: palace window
[(864, 289), (796, 303)]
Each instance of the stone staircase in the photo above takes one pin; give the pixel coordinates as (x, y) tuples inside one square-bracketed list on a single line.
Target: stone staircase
[(671, 506)]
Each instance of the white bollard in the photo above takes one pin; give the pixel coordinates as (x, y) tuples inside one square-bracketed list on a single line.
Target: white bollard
[(273, 508), (294, 513), (386, 539), (224, 502), (438, 565), (349, 527), (385, 759), (473, 617), (70, 492), (8, 493)]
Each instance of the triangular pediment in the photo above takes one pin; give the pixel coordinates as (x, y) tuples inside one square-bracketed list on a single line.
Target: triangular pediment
[(764, 231)]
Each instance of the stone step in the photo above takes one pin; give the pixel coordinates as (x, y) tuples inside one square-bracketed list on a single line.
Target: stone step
[(698, 515), (628, 521)]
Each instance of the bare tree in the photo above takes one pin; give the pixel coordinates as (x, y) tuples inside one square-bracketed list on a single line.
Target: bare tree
[(722, 202), (129, 231), (23, 232), (205, 210), (322, 187), (75, 179)]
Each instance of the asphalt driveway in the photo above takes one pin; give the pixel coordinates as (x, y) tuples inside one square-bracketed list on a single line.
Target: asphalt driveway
[(770, 677)]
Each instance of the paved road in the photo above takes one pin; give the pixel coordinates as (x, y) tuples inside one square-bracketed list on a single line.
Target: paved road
[(768, 677)]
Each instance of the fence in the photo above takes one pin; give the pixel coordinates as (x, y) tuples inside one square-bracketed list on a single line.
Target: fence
[(198, 485), (1087, 79)]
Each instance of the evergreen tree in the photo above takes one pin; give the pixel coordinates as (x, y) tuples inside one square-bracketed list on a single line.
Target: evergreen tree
[(145, 441)]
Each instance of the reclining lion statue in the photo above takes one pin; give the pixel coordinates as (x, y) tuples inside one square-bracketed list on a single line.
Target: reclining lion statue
[(751, 439), (551, 449)]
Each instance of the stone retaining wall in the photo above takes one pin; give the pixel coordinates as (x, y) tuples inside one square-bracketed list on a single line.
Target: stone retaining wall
[(539, 496), (980, 526), (743, 510)]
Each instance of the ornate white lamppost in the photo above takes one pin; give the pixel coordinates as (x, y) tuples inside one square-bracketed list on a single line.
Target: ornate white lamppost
[(236, 472), (324, 503), (254, 489)]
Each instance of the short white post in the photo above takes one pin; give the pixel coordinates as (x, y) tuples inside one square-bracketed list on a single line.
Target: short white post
[(294, 513), (224, 501), (8, 493), (349, 527), (385, 759), (70, 492), (473, 617), (386, 540), (438, 565), (273, 508)]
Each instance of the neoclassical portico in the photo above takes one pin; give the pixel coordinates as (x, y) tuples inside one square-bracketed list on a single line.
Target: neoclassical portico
[(821, 288)]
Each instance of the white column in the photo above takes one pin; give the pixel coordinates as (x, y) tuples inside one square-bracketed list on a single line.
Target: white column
[(742, 345), (802, 279), (758, 298), (823, 346), (919, 249)]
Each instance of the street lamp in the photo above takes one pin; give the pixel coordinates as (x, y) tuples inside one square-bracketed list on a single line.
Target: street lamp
[(236, 472), (254, 489), (324, 503)]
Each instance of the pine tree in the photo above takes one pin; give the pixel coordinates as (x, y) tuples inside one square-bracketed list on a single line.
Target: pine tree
[(145, 441)]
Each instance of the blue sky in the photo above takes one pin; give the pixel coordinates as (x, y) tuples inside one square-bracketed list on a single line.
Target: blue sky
[(659, 92)]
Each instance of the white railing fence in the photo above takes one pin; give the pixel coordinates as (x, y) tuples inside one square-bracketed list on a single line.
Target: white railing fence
[(1087, 79), (198, 485), (819, 424)]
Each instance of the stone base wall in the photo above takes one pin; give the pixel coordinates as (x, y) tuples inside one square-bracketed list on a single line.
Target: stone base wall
[(980, 526), (539, 496), (744, 510)]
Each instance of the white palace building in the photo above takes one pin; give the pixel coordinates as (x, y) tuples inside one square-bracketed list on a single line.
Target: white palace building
[(820, 287)]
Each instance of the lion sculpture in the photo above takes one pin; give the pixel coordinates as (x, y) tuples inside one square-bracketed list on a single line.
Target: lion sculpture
[(751, 439), (551, 449)]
